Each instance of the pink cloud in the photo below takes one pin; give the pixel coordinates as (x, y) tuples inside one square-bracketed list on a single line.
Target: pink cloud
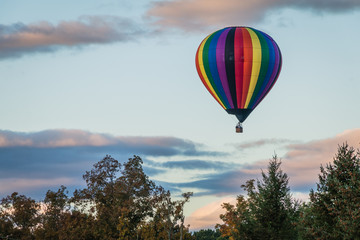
[(195, 15), (302, 161), (19, 39), (54, 138), (72, 138)]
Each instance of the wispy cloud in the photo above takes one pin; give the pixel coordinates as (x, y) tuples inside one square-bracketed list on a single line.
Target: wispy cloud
[(192, 164), (263, 142), (19, 39), (301, 163), (195, 15)]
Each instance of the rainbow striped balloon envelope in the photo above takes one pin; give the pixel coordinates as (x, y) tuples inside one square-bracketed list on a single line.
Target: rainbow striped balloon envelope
[(238, 66)]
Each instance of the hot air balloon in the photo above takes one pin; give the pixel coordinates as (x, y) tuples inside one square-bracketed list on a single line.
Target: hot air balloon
[(238, 66)]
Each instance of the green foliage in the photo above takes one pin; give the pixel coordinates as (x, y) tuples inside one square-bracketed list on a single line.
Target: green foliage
[(208, 234), (334, 209), (268, 212), (125, 198)]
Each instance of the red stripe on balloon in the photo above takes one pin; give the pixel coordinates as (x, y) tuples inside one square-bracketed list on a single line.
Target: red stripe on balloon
[(247, 64)]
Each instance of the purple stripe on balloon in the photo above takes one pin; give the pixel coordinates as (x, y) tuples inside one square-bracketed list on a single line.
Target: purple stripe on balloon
[(220, 61), (274, 74)]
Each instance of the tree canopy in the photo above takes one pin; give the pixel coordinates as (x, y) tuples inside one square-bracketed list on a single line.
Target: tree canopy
[(119, 202)]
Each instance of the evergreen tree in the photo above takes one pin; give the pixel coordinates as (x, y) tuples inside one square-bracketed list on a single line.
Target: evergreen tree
[(334, 209), (274, 210), (269, 211)]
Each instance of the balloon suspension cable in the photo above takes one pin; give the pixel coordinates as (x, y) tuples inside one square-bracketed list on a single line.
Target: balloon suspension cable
[(239, 128)]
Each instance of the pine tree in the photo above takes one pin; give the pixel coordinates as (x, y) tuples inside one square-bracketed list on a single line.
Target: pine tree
[(269, 211), (274, 210), (334, 209)]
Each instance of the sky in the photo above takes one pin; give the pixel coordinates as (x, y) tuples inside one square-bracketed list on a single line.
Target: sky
[(82, 79)]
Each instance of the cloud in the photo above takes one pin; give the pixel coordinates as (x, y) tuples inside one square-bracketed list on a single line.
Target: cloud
[(195, 15), (19, 39), (193, 165), (262, 142), (67, 154), (96, 142), (220, 184), (301, 163)]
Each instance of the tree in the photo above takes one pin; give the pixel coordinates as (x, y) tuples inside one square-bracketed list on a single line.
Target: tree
[(54, 206), (124, 201), (275, 211), (168, 219), (268, 212), (118, 202), (208, 234), (236, 219), (20, 214), (334, 208)]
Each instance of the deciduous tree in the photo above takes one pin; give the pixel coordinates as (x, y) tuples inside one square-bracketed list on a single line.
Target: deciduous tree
[(20, 214)]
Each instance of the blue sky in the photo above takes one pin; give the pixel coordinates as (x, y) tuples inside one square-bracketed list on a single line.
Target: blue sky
[(79, 80)]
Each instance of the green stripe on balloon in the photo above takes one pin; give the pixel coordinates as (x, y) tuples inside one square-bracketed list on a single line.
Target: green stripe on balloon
[(205, 57), (264, 66)]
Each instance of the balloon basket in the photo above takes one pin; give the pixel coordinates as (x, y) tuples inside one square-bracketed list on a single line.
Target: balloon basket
[(239, 128)]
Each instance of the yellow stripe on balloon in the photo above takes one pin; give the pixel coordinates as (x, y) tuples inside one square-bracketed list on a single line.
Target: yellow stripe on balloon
[(203, 73), (256, 64)]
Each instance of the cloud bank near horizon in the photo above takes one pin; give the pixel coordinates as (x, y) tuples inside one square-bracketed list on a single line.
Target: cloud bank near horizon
[(301, 162), (195, 15), (20, 39), (44, 159)]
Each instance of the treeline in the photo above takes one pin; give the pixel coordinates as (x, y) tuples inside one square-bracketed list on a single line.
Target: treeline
[(268, 211), (120, 202)]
